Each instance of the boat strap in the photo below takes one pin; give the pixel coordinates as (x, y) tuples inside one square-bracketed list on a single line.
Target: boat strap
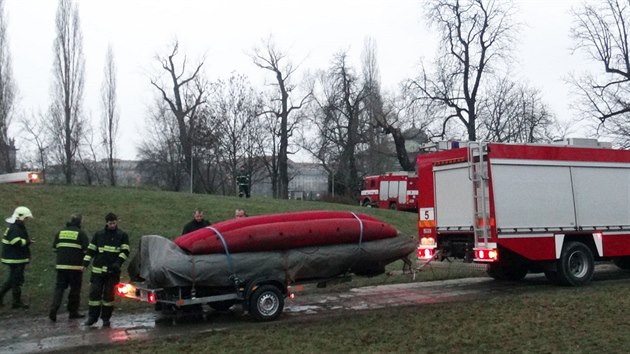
[(227, 252), (360, 228)]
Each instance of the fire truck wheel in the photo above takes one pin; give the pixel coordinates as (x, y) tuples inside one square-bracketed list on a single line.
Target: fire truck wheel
[(392, 206), (576, 264), (366, 203), (266, 303), (622, 263), (503, 272)]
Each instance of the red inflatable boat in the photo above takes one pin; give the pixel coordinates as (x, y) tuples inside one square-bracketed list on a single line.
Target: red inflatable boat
[(285, 231)]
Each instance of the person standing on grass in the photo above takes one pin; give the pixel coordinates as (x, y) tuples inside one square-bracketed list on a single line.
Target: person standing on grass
[(196, 223), (240, 213), (16, 253), (107, 251), (70, 244)]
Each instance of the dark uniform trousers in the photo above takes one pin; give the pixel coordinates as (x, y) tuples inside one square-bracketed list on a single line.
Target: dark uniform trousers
[(65, 278), (102, 287), (14, 282)]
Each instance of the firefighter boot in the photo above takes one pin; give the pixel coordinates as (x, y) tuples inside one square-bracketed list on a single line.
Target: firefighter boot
[(106, 314), (93, 314), (5, 288), (54, 307), (17, 299)]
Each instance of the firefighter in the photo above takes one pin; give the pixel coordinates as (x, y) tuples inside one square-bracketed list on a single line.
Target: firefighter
[(107, 251), (196, 223), (16, 253), (243, 180), (70, 244)]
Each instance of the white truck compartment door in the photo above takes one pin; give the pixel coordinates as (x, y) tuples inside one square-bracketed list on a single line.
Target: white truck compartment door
[(532, 196), (453, 196), (602, 195), (383, 190), (393, 189), (402, 192)]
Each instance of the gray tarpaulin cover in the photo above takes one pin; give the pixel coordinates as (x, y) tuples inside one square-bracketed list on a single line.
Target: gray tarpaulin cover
[(162, 264)]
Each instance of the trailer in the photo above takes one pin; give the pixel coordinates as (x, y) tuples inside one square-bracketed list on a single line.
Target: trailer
[(175, 281), (527, 208)]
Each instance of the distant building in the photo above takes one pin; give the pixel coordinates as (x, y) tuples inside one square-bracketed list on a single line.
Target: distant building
[(307, 181)]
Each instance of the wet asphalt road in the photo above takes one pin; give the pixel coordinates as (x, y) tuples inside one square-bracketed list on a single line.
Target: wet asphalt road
[(37, 334)]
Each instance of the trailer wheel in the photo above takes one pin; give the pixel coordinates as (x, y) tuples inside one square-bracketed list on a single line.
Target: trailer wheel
[(576, 265), (266, 303), (499, 271), (622, 263)]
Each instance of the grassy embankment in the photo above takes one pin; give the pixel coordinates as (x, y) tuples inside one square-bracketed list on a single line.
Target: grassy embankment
[(144, 212)]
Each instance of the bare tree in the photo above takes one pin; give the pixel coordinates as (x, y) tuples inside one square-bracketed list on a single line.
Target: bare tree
[(387, 117), (161, 153), (188, 92), (601, 31), (340, 103), (272, 59), (236, 106), (476, 36), (68, 70), (7, 97), (110, 117), (36, 129), (515, 112)]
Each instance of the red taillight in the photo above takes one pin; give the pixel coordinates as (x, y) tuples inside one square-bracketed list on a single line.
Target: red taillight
[(123, 289), (425, 253), (486, 255), (151, 298)]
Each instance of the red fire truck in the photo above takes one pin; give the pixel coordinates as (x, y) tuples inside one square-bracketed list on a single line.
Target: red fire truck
[(393, 190), (21, 177), (527, 208)]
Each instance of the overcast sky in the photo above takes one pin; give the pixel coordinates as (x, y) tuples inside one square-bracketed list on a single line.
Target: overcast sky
[(310, 32)]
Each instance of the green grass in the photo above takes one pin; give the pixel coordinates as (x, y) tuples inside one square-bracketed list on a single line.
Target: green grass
[(590, 319), (144, 212)]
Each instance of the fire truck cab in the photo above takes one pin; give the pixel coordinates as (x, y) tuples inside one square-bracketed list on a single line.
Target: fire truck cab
[(392, 190), (527, 208)]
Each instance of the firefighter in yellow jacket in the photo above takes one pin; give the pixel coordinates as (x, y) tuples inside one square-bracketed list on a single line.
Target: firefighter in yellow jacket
[(107, 251), (16, 253), (70, 244)]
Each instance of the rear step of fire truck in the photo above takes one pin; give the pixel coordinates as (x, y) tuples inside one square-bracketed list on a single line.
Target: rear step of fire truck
[(478, 174)]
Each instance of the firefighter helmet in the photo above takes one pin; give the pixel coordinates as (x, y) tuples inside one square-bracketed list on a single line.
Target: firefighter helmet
[(20, 213)]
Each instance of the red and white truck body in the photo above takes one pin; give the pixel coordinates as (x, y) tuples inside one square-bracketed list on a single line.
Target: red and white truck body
[(21, 177), (392, 190), (526, 208)]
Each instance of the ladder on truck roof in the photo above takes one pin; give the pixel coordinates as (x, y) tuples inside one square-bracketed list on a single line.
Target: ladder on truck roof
[(478, 174)]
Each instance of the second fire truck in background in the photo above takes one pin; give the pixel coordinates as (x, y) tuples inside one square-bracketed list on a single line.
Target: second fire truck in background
[(392, 190)]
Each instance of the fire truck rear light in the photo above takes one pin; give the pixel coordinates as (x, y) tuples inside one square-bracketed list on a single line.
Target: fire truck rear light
[(151, 298), (487, 255), (425, 253)]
